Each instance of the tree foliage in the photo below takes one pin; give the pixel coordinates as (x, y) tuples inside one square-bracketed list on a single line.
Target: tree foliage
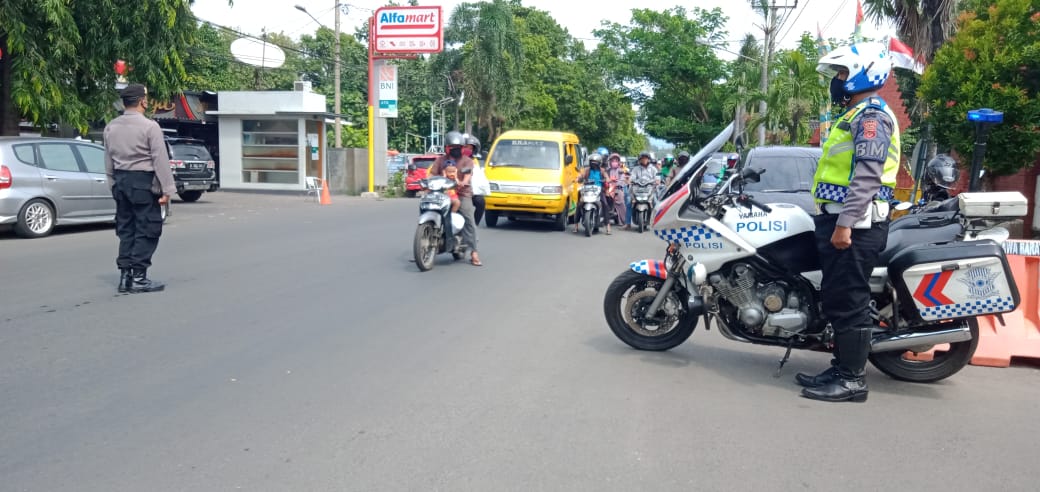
[(664, 61), (994, 62), (58, 56)]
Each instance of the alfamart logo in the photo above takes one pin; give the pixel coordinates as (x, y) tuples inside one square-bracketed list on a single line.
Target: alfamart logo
[(397, 20)]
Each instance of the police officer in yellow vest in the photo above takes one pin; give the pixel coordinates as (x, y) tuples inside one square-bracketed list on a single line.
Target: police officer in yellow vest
[(854, 182)]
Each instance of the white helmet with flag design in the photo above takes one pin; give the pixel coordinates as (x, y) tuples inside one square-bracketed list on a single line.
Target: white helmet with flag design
[(868, 65)]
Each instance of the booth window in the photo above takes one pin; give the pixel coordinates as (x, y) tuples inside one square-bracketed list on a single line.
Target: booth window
[(270, 151)]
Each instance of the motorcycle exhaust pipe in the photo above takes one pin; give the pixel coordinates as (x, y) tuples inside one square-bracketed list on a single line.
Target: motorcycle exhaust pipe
[(909, 341)]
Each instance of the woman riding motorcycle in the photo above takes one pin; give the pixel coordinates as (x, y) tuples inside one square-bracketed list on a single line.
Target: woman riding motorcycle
[(617, 199), (594, 174)]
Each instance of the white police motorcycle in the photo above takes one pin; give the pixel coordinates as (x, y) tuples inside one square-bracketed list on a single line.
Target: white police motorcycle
[(439, 230), (752, 270)]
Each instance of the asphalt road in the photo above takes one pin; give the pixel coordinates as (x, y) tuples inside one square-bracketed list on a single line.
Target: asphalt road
[(298, 348)]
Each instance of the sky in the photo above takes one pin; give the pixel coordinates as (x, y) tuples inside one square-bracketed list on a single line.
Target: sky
[(835, 17)]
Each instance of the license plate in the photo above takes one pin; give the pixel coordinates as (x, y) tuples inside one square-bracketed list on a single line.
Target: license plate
[(196, 187), (196, 165), (519, 199)]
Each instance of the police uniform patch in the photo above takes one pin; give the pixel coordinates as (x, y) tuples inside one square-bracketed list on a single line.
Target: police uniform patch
[(870, 128)]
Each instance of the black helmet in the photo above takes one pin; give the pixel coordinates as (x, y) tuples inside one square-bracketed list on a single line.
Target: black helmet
[(684, 157), (454, 138), (942, 171), (471, 140)]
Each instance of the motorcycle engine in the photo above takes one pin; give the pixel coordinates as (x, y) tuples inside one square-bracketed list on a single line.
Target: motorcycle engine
[(766, 308)]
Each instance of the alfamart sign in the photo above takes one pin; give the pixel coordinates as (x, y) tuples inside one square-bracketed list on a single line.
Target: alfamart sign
[(409, 30)]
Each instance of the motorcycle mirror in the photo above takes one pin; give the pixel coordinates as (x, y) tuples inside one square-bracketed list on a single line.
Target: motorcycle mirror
[(751, 174), (903, 206), (568, 160)]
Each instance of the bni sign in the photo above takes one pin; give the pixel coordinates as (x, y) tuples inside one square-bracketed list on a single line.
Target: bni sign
[(388, 91), (409, 30)]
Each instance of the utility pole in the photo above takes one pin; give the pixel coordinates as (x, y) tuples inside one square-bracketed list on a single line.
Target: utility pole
[(337, 97), (769, 28)]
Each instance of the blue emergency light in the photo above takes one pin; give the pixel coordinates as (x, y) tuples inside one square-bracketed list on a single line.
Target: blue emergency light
[(986, 115)]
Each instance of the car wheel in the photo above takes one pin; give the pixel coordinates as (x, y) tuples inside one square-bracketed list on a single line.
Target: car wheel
[(491, 218), (190, 196), (35, 219)]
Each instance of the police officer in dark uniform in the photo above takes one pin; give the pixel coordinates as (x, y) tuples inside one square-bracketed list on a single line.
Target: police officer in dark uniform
[(854, 182), (139, 175)]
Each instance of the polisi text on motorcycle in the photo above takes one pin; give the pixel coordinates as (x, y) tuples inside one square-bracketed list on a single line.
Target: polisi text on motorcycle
[(762, 226)]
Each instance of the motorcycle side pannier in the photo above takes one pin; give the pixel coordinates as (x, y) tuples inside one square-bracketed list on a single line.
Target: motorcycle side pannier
[(954, 280)]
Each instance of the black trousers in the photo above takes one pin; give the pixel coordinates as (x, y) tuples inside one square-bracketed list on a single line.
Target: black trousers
[(845, 288), (478, 208), (138, 218)]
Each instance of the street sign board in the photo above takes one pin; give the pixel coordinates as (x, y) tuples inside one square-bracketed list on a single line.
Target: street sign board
[(409, 30), (388, 91)]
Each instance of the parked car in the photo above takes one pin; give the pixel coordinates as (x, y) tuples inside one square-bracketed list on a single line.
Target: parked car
[(417, 170), (48, 182), (193, 168), (789, 175)]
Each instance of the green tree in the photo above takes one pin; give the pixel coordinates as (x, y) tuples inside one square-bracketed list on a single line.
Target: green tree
[(993, 61), (924, 25), (663, 61), (489, 62), (58, 56), (741, 86)]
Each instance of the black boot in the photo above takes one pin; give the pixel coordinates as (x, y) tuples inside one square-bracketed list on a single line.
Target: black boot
[(850, 383), (125, 279), (140, 283), (823, 378)]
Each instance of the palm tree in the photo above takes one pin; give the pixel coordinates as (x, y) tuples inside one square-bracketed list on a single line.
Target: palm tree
[(487, 66), (742, 84), (924, 25), (799, 85)]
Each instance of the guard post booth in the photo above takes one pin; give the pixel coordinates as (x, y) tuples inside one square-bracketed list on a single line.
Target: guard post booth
[(271, 140)]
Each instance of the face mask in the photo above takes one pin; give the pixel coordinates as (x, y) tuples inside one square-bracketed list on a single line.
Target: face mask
[(615, 164), (839, 95), (455, 153), (466, 151)]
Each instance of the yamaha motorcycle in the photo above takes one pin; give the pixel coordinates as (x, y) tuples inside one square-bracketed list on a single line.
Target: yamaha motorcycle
[(751, 270), (439, 230), (642, 201)]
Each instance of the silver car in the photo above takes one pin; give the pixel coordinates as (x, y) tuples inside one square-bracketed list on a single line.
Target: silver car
[(46, 182)]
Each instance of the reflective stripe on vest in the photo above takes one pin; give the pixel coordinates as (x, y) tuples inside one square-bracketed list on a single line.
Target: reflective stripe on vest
[(837, 165)]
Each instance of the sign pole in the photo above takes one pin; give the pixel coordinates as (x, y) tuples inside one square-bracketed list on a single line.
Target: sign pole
[(371, 108)]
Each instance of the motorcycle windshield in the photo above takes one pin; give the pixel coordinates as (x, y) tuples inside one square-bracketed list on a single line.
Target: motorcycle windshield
[(697, 160)]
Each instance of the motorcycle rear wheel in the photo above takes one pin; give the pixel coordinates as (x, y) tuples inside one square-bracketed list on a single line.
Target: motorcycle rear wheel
[(425, 247), (631, 293), (943, 364)]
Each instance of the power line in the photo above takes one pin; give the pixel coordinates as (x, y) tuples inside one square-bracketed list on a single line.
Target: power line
[(805, 7), (835, 15)]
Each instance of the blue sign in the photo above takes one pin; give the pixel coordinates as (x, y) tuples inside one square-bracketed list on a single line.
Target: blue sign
[(387, 108)]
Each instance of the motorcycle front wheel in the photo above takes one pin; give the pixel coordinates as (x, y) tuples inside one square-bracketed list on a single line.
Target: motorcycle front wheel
[(943, 364), (587, 223), (625, 305), (425, 246)]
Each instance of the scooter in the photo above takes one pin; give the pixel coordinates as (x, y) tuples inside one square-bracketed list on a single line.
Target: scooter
[(642, 202), (590, 208), (439, 230)]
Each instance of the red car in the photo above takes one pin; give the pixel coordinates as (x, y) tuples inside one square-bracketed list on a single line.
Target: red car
[(416, 171)]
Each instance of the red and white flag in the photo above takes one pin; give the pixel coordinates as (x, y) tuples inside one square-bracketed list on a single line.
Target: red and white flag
[(903, 56)]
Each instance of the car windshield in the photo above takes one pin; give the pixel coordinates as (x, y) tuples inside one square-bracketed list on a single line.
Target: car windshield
[(189, 152), (533, 154), (423, 163), (785, 172)]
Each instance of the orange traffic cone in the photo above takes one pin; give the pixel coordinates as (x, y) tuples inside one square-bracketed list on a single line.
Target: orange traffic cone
[(326, 198)]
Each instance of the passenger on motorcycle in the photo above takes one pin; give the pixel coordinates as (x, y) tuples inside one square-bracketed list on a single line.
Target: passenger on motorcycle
[(617, 198), (667, 168), (595, 174)]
